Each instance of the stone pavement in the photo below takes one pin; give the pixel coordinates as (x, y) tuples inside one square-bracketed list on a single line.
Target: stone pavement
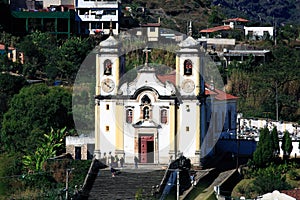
[(128, 183)]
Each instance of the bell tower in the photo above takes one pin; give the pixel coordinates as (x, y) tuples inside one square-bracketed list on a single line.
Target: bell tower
[(188, 66), (107, 81), (107, 67), (190, 84)]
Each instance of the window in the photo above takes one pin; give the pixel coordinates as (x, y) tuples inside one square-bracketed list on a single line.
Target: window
[(107, 67), (106, 128), (187, 128), (107, 106), (152, 29), (146, 100), (188, 67), (146, 112), (129, 114), (163, 116)]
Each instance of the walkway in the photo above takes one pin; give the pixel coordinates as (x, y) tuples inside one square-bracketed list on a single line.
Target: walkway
[(219, 180)]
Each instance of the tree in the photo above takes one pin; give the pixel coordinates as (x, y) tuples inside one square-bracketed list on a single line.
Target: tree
[(32, 113), (39, 50), (9, 85), (69, 57), (269, 179), (286, 145), (263, 154), (275, 141)]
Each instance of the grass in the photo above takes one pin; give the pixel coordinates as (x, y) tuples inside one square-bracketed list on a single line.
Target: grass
[(204, 183)]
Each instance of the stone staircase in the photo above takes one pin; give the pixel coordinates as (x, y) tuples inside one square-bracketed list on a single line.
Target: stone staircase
[(127, 183)]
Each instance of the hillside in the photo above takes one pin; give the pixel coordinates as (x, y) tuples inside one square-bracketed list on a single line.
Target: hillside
[(204, 13), (262, 11)]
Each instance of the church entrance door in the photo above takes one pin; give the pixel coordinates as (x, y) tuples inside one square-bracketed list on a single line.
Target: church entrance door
[(146, 148)]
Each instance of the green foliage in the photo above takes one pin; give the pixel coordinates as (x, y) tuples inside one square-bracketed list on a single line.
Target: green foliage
[(32, 113), (68, 58), (45, 59), (269, 179), (293, 174), (258, 85), (286, 145), (264, 180), (263, 154), (48, 149), (275, 141), (9, 166)]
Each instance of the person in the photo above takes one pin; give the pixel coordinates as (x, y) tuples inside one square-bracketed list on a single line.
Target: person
[(121, 162), (116, 161), (136, 160), (113, 172), (112, 161)]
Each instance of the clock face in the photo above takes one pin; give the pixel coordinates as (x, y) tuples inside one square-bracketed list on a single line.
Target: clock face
[(188, 86), (108, 85)]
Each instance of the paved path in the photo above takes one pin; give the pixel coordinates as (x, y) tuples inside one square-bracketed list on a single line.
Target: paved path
[(219, 180)]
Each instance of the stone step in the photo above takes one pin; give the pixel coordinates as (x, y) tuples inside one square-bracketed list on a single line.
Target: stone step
[(126, 184)]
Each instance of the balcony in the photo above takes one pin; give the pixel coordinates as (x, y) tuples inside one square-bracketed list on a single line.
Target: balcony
[(98, 17), (97, 4)]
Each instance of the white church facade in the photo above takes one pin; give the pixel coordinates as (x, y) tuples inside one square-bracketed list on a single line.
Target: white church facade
[(158, 116)]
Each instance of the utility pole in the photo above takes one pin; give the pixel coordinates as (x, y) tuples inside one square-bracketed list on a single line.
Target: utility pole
[(68, 171)]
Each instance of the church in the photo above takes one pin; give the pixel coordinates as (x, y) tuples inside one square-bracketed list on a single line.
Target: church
[(157, 116)]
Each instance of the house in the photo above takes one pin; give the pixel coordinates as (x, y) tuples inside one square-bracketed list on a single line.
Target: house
[(235, 23), (259, 33), (152, 31), (220, 31), (57, 17), (96, 16), (260, 56), (157, 116), (12, 53), (66, 17)]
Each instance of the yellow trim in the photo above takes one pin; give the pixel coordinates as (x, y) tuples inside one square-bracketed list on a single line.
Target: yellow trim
[(198, 128), (117, 72), (97, 127), (177, 70), (98, 76), (197, 81), (172, 127), (119, 127)]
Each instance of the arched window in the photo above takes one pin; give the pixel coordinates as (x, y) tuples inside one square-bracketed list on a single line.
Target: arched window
[(146, 100), (129, 115), (107, 67), (163, 116), (146, 112), (187, 67)]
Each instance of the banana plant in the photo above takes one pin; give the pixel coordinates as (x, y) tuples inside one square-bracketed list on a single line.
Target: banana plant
[(49, 144)]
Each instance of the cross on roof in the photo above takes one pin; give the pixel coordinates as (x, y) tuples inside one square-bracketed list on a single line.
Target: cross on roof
[(146, 50)]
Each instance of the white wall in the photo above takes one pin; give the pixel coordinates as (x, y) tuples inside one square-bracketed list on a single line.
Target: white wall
[(259, 31)]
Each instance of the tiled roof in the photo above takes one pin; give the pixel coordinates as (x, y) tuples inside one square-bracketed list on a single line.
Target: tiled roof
[(215, 29), (236, 20), (2, 47), (293, 193)]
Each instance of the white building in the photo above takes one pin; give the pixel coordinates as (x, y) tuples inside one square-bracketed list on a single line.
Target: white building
[(258, 33), (96, 16), (156, 116)]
